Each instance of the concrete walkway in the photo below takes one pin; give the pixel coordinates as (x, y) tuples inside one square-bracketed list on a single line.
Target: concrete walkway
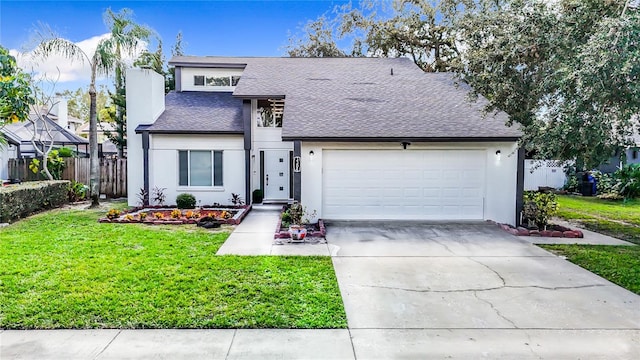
[(254, 236)]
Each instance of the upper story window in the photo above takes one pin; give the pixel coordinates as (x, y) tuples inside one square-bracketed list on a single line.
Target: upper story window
[(270, 113), (221, 81)]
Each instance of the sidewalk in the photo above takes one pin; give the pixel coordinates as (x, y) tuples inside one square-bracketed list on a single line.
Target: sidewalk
[(254, 236), (176, 344)]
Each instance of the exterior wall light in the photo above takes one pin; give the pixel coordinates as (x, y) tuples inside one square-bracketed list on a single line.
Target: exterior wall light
[(311, 154), (498, 154), (405, 144)]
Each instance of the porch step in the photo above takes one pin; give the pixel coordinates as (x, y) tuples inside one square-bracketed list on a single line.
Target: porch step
[(267, 206)]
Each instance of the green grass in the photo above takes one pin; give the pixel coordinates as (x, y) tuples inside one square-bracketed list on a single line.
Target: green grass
[(618, 264), (603, 216), (590, 207), (62, 269)]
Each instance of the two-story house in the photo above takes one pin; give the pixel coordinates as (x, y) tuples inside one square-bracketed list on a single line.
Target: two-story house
[(352, 138)]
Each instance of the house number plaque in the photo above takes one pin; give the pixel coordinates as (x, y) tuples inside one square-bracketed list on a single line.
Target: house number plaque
[(296, 164)]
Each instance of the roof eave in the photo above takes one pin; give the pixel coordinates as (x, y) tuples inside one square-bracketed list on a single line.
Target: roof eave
[(207, 65), (194, 132), (401, 139)]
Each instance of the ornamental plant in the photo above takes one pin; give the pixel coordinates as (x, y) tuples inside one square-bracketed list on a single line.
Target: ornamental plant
[(158, 215), (113, 213), (539, 208), (143, 216), (176, 213)]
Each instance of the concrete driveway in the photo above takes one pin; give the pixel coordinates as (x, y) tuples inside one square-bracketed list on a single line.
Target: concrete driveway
[(470, 290)]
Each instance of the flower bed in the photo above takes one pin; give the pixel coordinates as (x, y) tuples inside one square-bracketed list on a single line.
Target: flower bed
[(551, 231), (317, 230), (172, 216)]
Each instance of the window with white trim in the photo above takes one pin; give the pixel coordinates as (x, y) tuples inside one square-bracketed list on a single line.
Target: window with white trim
[(200, 168), (216, 81)]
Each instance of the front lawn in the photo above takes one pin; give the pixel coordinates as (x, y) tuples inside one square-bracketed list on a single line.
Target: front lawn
[(62, 269), (614, 218), (618, 264)]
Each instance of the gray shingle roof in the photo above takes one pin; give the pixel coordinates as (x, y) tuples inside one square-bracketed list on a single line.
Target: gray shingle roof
[(200, 112), (360, 98), (61, 136)]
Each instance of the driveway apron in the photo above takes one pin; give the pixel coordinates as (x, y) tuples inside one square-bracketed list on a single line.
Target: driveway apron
[(471, 289)]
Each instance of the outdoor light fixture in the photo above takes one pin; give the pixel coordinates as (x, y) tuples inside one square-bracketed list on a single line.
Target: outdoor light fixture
[(498, 154), (405, 144), (311, 154)]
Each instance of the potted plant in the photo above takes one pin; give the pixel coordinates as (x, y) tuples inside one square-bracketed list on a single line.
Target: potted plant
[(298, 217)]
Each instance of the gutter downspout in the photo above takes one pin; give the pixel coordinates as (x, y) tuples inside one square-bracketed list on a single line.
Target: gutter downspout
[(246, 119), (145, 165)]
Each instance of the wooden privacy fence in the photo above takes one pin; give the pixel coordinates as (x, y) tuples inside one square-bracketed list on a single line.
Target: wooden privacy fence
[(113, 173)]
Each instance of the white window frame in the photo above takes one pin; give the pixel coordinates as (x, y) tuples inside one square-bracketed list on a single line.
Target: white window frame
[(206, 77), (213, 169)]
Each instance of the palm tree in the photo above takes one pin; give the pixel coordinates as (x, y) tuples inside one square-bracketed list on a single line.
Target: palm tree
[(107, 57), (126, 37), (100, 62)]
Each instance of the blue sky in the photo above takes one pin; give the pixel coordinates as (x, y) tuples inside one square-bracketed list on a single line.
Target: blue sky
[(227, 28)]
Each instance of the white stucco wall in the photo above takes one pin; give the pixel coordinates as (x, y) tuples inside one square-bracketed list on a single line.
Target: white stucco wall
[(500, 181), (163, 159), (145, 103), (187, 74)]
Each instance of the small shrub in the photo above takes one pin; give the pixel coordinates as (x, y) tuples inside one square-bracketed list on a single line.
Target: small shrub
[(286, 218), (190, 214), (176, 213), (186, 201), (143, 216), (629, 181), (539, 208), (298, 214), (77, 191), (236, 199), (142, 196), (257, 196), (225, 214), (158, 195), (113, 213), (65, 152), (605, 183), (158, 215), (128, 217)]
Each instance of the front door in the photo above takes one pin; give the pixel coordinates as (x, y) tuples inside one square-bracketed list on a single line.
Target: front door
[(276, 174)]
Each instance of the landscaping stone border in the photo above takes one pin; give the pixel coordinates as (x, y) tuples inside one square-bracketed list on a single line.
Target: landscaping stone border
[(563, 233), (242, 211), (284, 233)]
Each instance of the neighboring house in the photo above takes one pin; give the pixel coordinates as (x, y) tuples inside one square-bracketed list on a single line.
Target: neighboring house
[(62, 137), (352, 138), (632, 156), (106, 147), (9, 150)]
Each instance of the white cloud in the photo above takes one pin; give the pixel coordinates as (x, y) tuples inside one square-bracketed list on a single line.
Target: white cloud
[(70, 71)]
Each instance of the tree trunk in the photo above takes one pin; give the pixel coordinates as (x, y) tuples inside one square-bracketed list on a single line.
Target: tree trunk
[(119, 112), (94, 162)]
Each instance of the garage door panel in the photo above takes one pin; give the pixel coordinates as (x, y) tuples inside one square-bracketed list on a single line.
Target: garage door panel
[(428, 184)]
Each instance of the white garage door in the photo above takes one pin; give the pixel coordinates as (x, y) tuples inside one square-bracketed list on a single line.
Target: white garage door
[(403, 184)]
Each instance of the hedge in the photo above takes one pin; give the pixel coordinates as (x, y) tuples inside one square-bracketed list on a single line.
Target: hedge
[(20, 200)]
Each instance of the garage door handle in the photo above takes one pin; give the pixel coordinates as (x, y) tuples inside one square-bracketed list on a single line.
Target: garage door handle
[(267, 179)]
